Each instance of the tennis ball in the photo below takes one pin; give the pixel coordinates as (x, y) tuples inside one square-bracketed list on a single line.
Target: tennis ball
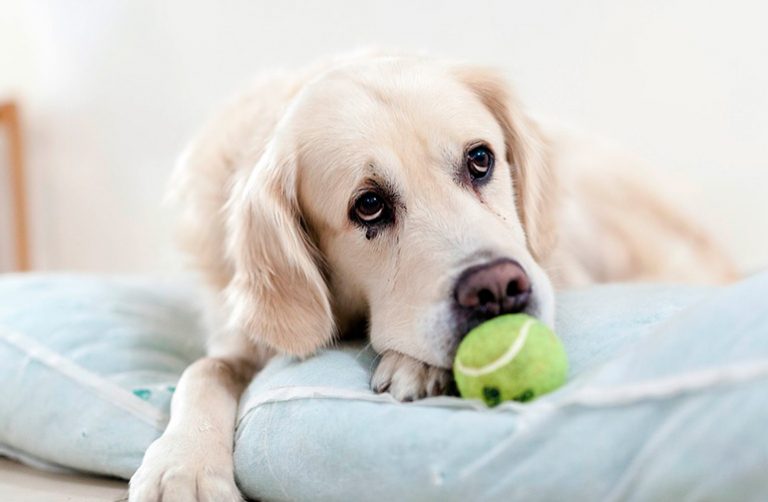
[(510, 357)]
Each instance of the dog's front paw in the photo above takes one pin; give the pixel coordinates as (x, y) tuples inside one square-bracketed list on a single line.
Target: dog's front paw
[(407, 378), (177, 469)]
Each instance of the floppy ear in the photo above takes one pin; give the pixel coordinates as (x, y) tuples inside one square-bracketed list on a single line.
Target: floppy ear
[(526, 154), (277, 294)]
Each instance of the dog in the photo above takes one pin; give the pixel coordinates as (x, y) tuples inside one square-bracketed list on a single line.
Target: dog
[(410, 194)]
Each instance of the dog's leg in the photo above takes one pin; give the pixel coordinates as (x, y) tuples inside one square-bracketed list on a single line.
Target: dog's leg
[(192, 460)]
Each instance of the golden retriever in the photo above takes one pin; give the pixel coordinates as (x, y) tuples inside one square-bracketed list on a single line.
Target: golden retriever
[(410, 194)]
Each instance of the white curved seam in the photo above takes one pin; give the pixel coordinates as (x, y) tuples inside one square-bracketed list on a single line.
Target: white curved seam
[(631, 394), (295, 393), (100, 386), (617, 396), (665, 387), (502, 361)]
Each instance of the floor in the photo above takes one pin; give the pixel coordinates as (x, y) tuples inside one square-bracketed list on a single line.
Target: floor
[(19, 483)]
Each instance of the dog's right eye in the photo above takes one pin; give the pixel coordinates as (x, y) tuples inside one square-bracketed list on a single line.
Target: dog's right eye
[(479, 162), (370, 208)]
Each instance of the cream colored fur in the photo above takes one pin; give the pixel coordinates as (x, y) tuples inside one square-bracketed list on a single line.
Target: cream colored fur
[(266, 192)]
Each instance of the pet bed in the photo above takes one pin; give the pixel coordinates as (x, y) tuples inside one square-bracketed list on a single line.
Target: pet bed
[(667, 398)]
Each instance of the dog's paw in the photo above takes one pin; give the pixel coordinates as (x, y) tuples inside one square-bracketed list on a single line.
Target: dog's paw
[(176, 469), (407, 378)]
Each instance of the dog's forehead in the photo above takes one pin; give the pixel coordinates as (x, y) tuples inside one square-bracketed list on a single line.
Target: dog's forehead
[(392, 100), (352, 117)]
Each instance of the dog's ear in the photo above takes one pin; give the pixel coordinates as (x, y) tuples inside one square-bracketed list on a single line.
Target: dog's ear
[(526, 155), (277, 295)]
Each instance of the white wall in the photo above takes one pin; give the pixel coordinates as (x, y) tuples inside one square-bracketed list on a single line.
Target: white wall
[(111, 90)]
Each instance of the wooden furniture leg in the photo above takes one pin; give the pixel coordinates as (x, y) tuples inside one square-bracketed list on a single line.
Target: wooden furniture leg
[(9, 117)]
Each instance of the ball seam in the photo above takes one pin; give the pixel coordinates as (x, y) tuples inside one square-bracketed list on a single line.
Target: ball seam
[(501, 361)]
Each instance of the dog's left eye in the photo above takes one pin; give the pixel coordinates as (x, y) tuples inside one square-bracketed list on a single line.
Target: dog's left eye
[(479, 162), (370, 207)]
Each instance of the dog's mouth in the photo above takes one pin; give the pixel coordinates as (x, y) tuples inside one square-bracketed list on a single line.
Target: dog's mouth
[(480, 302), (465, 319)]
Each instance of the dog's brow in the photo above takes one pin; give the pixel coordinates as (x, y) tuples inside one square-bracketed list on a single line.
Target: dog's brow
[(382, 178)]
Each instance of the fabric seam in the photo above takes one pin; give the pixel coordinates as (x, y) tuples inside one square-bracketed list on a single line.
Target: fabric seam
[(102, 387)]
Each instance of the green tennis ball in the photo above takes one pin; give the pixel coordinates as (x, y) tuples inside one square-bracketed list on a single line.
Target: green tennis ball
[(510, 357)]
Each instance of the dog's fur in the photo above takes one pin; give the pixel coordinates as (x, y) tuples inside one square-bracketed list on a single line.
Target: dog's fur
[(268, 192)]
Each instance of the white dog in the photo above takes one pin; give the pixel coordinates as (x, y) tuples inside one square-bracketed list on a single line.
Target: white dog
[(410, 194)]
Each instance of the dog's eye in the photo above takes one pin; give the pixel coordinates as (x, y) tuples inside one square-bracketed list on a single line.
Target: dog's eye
[(370, 207), (479, 162)]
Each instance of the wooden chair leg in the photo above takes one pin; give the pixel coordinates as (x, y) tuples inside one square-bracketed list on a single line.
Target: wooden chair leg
[(10, 116)]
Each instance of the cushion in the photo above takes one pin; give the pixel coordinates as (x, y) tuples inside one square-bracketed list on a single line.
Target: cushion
[(666, 396), (88, 365)]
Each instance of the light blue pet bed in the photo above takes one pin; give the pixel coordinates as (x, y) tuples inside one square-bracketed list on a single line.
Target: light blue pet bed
[(667, 400)]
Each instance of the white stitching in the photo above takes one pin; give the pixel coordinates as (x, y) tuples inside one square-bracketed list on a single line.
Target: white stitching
[(102, 387)]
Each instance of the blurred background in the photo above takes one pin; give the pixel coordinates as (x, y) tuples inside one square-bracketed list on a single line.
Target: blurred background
[(108, 92)]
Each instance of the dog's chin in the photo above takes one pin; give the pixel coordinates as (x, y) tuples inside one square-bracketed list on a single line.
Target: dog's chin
[(435, 337), (452, 324), (464, 323)]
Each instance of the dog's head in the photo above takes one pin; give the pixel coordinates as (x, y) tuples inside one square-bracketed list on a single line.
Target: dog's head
[(406, 192)]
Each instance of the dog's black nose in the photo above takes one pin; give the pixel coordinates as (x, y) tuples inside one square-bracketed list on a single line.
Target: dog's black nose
[(499, 287)]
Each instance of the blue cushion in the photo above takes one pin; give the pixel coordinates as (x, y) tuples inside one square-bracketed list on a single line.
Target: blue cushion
[(666, 396), (88, 365)]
